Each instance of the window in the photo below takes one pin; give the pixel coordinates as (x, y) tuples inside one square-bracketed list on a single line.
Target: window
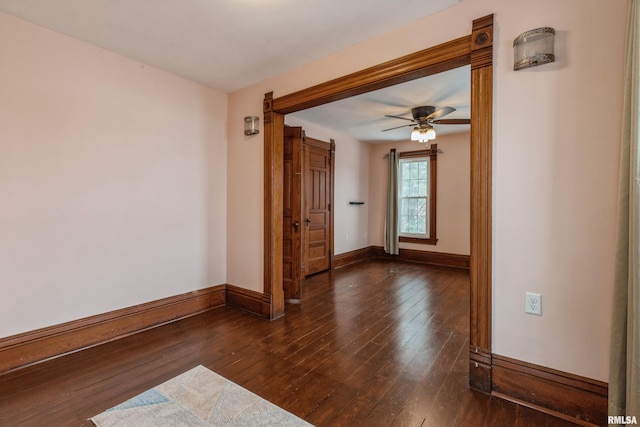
[(417, 196), (413, 196)]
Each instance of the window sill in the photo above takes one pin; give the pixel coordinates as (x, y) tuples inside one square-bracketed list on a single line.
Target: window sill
[(422, 241)]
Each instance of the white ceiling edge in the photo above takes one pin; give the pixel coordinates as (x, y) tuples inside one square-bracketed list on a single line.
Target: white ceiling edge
[(227, 44)]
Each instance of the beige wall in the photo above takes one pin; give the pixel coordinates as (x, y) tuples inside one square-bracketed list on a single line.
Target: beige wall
[(554, 170), (453, 200), (556, 187), (351, 184), (112, 181)]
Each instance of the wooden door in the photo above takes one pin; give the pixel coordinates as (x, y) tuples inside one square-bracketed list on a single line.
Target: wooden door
[(292, 214), (318, 195)]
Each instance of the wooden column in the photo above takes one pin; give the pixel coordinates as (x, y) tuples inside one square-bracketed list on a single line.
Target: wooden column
[(273, 208), (481, 212)]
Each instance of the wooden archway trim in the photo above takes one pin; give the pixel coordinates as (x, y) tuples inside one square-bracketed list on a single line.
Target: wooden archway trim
[(444, 57), (476, 50)]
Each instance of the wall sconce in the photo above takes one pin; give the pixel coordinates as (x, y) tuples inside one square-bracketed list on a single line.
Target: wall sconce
[(251, 125), (532, 48)]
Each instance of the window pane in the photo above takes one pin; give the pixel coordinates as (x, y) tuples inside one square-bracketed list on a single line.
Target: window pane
[(406, 171), (404, 191), (413, 198), (414, 170), (413, 215), (415, 188), (422, 189), (423, 170), (404, 213), (414, 178), (421, 212)]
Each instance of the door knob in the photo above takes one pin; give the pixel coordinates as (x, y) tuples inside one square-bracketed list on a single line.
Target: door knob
[(296, 225), (307, 221)]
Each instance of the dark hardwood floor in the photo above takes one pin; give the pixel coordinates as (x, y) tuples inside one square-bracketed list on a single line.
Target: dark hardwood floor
[(377, 343)]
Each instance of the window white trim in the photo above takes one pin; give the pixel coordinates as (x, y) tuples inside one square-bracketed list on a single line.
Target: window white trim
[(413, 197)]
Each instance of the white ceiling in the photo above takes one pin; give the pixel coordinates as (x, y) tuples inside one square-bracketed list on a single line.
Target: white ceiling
[(225, 44), (231, 44)]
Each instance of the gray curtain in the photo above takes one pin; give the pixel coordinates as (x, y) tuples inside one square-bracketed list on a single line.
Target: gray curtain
[(391, 219), (624, 375)]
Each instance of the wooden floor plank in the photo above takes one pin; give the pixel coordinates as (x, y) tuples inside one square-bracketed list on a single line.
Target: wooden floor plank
[(474, 409), (376, 343), (444, 409), (527, 417), (502, 413)]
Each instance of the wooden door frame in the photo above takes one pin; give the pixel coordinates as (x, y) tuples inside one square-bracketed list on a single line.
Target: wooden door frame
[(475, 49), (295, 183)]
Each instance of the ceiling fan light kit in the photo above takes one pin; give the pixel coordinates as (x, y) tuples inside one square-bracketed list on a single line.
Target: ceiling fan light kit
[(424, 118), (431, 133), (423, 133), (533, 48)]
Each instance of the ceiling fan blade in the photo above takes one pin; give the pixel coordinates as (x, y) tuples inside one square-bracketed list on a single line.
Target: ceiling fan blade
[(441, 112), (452, 122), (398, 117), (397, 127)]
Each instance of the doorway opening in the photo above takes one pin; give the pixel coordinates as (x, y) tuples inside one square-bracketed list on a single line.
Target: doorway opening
[(308, 208), (475, 49)]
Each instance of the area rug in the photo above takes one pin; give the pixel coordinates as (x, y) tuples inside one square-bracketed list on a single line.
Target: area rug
[(198, 397)]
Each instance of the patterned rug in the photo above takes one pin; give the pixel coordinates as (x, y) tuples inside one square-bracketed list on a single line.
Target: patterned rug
[(198, 397)]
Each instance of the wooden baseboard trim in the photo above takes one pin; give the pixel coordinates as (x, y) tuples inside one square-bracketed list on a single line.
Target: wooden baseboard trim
[(410, 255), (24, 349), (250, 301), (425, 257), (351, 257), (545, 410), (578, 399)]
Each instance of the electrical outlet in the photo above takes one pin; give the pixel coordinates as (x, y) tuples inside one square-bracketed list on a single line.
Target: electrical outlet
[(346, 236), (533, 303)]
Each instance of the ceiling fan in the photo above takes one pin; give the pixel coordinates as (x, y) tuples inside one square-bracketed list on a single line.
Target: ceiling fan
[(423, 120)]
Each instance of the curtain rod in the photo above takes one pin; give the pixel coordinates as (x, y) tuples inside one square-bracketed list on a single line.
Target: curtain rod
[(386, 156)]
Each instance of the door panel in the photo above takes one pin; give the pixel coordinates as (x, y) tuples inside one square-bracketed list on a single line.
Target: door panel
[(317, 235), (317, 205), (292, 211)]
